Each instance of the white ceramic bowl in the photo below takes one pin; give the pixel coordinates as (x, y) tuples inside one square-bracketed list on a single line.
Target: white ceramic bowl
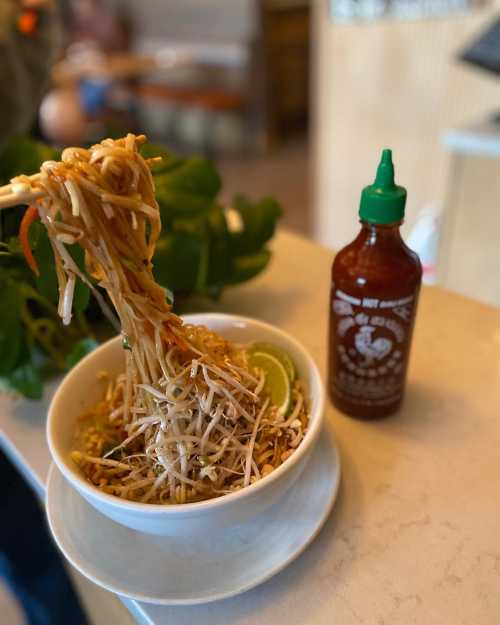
[(80, 390)]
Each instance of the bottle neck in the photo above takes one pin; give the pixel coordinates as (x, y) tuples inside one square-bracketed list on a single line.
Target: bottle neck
[(380, 233)]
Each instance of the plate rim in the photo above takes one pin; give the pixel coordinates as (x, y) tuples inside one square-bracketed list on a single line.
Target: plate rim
[(326, 431)]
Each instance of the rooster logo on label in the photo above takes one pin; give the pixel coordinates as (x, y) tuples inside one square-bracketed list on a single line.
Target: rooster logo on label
[(372, 349)]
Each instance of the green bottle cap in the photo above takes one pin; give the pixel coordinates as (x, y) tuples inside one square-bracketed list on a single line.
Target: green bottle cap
[(383, 202)]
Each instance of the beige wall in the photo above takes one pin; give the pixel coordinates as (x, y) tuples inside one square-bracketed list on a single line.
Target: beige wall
[(388, 84)]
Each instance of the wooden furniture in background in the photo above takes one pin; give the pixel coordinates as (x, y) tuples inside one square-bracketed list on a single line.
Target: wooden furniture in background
[(282, 63)]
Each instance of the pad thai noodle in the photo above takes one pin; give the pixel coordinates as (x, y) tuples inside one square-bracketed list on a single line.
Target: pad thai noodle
[(190, 418)]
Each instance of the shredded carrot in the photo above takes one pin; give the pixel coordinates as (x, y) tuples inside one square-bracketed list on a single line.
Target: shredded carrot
[(28, 218)]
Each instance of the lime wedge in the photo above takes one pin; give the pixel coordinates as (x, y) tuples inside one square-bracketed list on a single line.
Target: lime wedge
[(279, 354), (277, 382)]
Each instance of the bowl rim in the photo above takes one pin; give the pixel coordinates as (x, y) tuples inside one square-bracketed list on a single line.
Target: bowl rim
[(71, 473)]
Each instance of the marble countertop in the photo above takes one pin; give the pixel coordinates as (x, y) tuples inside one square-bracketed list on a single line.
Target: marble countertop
[(415, 534)]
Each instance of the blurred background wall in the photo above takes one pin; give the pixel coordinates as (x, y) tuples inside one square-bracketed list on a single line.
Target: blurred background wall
[(390, 83)]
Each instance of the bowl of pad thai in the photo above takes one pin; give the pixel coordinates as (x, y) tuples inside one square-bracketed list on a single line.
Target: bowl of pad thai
[(176, 425), (207, 453)]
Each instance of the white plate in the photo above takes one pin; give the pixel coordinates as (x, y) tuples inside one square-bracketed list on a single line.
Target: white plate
[(180, 571)]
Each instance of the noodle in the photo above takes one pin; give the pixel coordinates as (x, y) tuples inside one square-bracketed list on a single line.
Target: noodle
[(190, 418)]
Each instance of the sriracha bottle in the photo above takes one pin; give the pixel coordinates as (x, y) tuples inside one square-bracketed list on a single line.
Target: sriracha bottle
[(374, 293)]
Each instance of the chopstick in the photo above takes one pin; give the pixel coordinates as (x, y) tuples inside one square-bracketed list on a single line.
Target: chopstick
[(14, 199), (20, 192), (7, 188)]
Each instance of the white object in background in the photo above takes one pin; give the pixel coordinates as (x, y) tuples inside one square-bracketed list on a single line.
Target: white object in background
[(62, 118), (424, 239), (481, 138)]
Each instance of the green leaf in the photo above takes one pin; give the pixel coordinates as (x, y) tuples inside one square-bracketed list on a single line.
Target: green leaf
[(10, 219), (196, 176), (169, 160), (13, 246), (181, 204), (11, 331), (79, 350), (22, 155), (15, 270), (13, 265), (177, 261), (26, 380), (246, 267), (219, 259), (188, 190), (46, 282), (259, 222), (36, 230), (81, 295), (196, 225), (201, 278)]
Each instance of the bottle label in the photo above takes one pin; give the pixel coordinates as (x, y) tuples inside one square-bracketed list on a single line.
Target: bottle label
[(372, 345)]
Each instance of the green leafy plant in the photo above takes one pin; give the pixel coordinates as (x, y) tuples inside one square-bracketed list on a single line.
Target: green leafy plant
[(196, 253)]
